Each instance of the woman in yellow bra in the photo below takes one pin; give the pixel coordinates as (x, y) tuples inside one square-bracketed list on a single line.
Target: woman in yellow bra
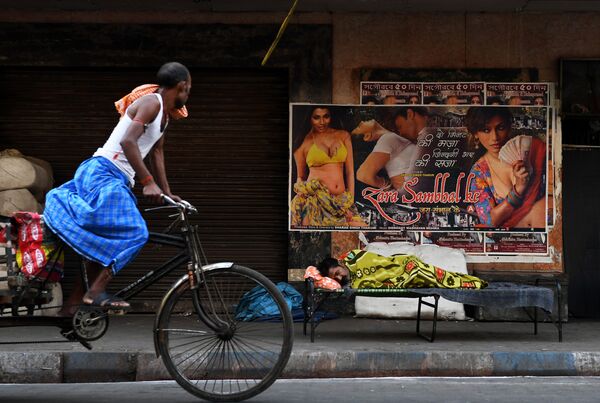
[(325, 185)]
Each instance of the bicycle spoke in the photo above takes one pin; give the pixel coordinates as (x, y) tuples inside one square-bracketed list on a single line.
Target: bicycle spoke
[(206, 354), (204, 344), (261, 339), (238, 359), (252, 356), (256, 345)]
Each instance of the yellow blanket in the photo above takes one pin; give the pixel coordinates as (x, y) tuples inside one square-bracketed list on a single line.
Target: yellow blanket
[(369, 270)]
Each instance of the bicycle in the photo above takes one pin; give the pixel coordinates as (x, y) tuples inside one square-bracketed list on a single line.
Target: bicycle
[(209, 344)]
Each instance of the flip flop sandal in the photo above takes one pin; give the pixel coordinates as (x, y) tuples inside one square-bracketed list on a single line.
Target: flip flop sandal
[(105, 301)]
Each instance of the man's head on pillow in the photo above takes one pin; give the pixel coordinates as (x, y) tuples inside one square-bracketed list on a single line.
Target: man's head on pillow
[(331, 268)]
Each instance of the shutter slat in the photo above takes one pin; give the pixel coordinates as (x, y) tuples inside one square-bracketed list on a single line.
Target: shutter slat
[(229, 158)]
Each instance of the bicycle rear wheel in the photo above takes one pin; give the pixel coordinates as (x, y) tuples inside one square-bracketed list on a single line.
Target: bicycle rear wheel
[(214, 346)]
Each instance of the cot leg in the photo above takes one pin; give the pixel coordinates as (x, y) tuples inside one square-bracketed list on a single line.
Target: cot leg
[(311, 307), (558, 300), (435, 311), (434, 324), (305, 307), (558, 323), (535, 311), (305, 319), (419, 316)]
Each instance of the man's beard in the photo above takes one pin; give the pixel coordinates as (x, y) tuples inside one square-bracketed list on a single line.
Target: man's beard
[(179, 104)]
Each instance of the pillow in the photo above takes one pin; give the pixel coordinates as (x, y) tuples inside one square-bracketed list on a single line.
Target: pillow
[(320, 281), (391, 248), (449, 259)]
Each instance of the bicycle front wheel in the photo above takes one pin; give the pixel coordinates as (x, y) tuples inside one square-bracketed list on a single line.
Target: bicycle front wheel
[(230, 338)]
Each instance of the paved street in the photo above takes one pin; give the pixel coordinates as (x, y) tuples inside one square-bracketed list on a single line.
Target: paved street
[(423, 389)]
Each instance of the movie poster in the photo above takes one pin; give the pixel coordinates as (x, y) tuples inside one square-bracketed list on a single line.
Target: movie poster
[(454, 93), (517, 94), (394, 93), (418, 168), (550, 181)]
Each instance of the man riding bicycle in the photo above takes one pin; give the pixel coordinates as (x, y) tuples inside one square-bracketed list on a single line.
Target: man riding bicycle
[(95, 213)]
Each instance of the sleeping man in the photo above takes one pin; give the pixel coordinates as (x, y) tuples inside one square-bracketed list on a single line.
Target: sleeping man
[(363, 269)]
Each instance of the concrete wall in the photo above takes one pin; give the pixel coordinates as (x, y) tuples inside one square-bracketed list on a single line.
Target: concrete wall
[(463, 41), (429, 40), (458, 41)]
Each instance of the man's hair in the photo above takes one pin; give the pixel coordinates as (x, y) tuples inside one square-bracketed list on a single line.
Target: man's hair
[(326, 264), (494, 101), (432, 100), (170, 74), (419, 110), (478, 116), (370, 98)]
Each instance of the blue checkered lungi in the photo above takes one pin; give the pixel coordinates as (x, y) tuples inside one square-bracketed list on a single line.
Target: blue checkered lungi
[(96, 214)]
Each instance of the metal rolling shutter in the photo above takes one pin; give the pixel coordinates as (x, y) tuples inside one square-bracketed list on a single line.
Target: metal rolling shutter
[(229, 158)]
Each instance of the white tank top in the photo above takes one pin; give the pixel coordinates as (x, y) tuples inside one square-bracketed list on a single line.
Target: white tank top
[(112, 149)]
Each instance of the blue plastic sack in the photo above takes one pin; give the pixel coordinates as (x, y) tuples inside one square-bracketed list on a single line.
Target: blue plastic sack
[(257, 304)]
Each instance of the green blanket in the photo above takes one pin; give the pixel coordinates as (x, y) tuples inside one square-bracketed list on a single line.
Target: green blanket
[(369, 270)]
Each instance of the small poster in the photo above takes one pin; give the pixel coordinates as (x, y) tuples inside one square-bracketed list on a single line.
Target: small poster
[(516, 243), (470, 242), (390, 93), (413, 237), (517, 94), (453, 93)]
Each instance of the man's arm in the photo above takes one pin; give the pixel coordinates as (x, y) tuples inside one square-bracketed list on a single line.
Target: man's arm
[(368, 170), (143, 113), (157, 165)]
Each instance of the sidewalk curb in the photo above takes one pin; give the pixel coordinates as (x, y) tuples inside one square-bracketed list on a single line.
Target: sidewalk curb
[(442, 363), (57, 367)]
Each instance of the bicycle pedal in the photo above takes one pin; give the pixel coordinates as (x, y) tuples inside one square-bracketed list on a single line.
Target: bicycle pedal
[(71, 336), (68, 334), (85, 344)]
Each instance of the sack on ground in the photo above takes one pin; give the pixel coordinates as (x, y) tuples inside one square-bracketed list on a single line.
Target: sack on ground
[(257, 304)]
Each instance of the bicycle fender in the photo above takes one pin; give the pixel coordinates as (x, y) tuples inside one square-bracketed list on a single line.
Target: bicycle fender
[(182, 279)]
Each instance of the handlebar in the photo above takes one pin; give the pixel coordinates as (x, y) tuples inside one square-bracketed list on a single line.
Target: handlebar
[(181, 205)]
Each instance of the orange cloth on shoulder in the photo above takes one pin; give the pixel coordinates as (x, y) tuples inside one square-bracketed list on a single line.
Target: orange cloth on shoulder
[(138, 92), (320, 281)]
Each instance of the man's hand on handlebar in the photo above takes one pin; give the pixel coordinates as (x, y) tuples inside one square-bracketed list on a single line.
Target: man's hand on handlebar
[(152, 192)]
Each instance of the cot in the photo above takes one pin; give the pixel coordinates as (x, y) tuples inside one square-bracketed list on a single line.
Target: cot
[(496, 294)]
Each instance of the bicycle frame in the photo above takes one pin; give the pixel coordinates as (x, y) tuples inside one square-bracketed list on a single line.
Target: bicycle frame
[(190, 253), (181, 258)]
